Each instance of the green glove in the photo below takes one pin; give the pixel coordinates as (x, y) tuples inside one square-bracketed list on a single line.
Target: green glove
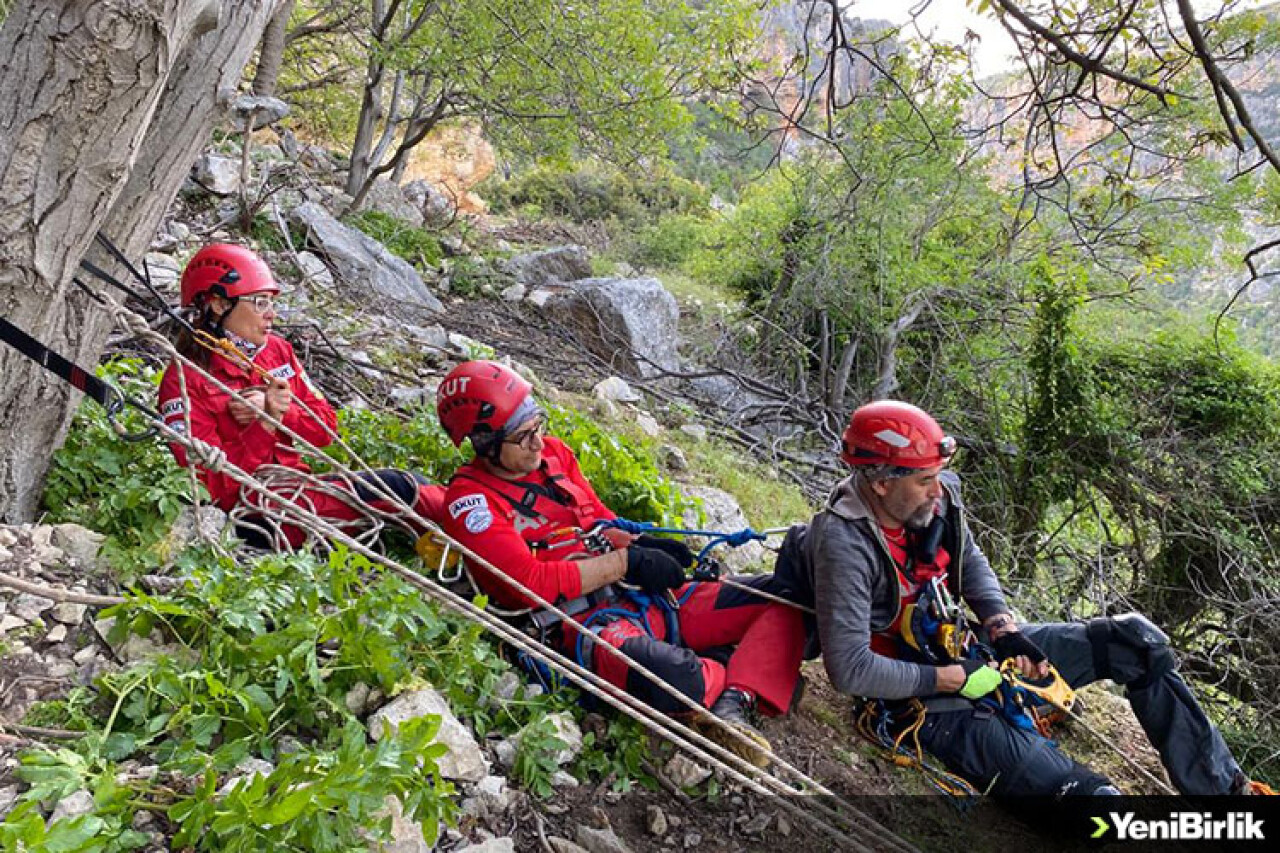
[(981, 680)]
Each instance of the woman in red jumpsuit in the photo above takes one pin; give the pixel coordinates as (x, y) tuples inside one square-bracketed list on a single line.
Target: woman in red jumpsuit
[(231, 294), (512, 506)]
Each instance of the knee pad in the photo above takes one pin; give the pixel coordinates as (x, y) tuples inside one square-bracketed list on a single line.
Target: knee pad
[(678, 667), (1138, 633)]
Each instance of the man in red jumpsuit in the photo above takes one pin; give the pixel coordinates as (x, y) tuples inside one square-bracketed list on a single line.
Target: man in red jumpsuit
[(231, 293), (513, 506)]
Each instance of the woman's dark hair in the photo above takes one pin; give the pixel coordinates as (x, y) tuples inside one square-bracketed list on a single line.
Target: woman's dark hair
[(202, 319)]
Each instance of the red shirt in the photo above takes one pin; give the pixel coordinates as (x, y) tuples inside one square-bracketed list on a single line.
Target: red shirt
[(247, 447), (507, 521), (909, 588)]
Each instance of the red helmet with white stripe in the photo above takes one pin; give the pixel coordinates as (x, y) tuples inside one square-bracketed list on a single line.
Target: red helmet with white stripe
[(227, 270), (890, 432), (482, 399)]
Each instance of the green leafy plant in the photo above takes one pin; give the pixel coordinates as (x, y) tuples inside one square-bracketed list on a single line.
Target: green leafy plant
[(131, 491), (415, 245)]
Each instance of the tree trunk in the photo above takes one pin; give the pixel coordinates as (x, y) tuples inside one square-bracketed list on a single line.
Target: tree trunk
[(271, 54), (100, 120)]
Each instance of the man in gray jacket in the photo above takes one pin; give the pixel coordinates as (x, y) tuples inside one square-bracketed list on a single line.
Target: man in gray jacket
[(895, 528)]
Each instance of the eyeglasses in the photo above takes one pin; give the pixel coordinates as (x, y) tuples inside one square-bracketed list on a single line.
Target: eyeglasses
[(261, 303), (525, 436)]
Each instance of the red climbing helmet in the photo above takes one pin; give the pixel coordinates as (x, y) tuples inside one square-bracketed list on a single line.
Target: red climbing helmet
[(890, 432), (482, 398), (227, 270)]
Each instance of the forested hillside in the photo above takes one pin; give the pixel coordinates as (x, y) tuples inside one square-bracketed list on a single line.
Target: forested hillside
[(705, 233)]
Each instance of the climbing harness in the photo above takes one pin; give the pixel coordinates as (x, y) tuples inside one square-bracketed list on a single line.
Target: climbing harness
[(849, 827)]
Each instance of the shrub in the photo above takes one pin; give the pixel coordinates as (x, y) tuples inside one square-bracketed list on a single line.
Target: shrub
[(131, 491), (413, 244)]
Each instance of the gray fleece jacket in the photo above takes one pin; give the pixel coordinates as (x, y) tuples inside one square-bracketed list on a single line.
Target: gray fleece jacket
[(856, 591)]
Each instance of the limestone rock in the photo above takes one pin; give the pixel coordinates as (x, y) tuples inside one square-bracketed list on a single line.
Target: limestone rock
[(698, 431), (406, 834), (264, 109), (387, 197), (315, 272), (73, 805), (193, 524), (68, 612), (540, 297), (615, 388), (365, 266), (674, 458), (566, 729), (630, 323), (514, 293), (723, 514), (684, 772), (655, 820), (435, 208), (492, 845), (648, 424), (28, 607), (9, 622), (600, 840), (464, 760), (549, 266), (563, 845), (79, 543), (219, 175)]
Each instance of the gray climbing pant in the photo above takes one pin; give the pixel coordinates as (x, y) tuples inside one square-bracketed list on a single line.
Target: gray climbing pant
[(993, 754)]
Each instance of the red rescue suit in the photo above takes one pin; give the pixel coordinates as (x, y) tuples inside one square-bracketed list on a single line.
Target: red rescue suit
[(251, 446), (520, 526)]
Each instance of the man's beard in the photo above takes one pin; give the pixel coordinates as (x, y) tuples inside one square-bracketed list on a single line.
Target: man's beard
[(921, 518)]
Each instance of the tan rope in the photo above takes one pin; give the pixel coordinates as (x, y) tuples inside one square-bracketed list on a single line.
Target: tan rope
[(672, 730)]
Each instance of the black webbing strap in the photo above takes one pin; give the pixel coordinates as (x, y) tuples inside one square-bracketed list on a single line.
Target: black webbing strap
[(1099, 633), (106, 395)]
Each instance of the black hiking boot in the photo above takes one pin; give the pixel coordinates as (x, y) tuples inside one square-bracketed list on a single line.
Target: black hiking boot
[(730, 725)]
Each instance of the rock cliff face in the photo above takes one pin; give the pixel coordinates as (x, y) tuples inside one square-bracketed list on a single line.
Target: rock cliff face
[(793, 45)]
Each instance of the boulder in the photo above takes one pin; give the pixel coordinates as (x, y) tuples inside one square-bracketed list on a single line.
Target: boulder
[(674, 458), (264, 109), (68, 612), (219, 175), (723, 514), (464, 761), (549, 266), (540, 297), (164, 270), (630, 323), (615, 388), (79, 543), (387, 197), (435, 207), (648, 424), (366, 267), (514, 293), (315, 272)]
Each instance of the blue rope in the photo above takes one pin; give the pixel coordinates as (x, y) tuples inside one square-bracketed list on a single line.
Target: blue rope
[(716, 538)]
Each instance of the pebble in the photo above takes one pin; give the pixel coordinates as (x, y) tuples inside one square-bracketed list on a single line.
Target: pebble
[(656, 821)]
